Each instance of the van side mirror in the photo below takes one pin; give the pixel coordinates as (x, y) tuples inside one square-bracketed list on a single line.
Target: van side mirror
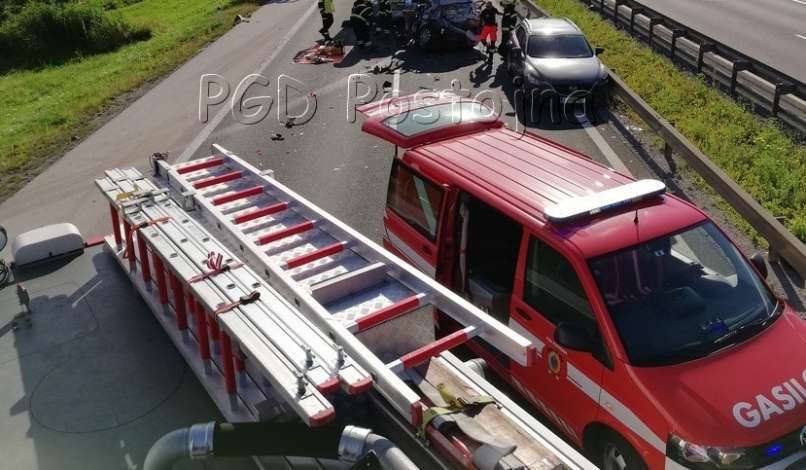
[(760, 264), (599, 50), (574, 336)]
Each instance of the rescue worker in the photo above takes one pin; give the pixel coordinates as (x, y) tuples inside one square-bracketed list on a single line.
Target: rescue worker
[(489, 26), (359, 20), (326, 9), (508, 22)]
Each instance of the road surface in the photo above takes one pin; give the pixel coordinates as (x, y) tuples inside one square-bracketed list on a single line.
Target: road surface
[(771, 31)]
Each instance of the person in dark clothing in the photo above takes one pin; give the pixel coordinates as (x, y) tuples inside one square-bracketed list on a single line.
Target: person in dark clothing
[(360, 18), (489, 26), (326, 10), (508, 22)]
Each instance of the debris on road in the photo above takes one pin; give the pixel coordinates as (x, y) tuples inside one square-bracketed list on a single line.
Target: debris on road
[(277, 136), (332, 52)]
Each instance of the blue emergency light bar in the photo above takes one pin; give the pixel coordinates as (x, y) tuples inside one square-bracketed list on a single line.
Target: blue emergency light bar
[(574, 208)]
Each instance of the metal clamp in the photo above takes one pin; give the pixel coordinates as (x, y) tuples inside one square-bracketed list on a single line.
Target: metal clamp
[(200, 440), (352, 442)]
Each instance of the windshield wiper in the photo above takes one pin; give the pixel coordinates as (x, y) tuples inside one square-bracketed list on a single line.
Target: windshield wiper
[(752, 326)]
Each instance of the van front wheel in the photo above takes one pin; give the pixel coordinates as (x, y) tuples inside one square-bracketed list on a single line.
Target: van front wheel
[(618, 454)]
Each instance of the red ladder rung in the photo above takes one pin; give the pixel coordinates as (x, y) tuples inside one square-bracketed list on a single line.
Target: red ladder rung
[(387, 313), (315, 255), (258, 213), (233, 175), (286, 232), (418, 356), (200, 166), (244, 193)]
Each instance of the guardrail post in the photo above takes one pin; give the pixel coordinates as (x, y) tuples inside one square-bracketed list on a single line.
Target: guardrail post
[(668, 154), (704, 47), (781, 88), (633, 12), (602, 7), (738, 66), (676, 33)]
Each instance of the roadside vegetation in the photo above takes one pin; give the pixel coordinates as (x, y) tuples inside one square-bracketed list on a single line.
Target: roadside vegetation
[(63, 63), (766, 161)]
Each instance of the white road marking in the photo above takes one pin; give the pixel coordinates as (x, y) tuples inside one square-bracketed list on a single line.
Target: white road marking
[(222, 113), (801, 36), (608, 152), (799, 1), (396, 84)]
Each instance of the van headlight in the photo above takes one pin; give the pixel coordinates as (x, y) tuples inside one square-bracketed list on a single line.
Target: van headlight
[(689, 453)]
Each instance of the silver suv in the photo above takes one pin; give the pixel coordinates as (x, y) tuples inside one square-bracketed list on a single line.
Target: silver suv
[(553, 54)]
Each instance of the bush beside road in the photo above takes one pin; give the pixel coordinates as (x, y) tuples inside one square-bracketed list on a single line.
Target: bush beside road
[(757, 154), (43, 110)]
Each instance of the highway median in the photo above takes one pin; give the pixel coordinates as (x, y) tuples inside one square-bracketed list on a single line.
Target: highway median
[(765, 160)]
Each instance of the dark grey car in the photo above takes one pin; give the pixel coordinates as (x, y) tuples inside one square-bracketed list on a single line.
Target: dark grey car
[(547, 55)]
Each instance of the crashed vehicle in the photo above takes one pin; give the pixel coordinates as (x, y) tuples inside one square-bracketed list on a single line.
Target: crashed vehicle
[(440, 24)]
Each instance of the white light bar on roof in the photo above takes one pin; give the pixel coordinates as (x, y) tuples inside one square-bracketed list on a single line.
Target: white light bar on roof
[(593, 204)]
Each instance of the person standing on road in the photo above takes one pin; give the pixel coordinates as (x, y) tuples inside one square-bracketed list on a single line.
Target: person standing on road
[(326, 9), (508, 22), (359, 20), (489, 26)]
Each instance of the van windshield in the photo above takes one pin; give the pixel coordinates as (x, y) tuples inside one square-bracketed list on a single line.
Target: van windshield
[(684, 296)]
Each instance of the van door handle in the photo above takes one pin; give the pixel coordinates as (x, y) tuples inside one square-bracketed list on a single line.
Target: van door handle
[(523, 314)]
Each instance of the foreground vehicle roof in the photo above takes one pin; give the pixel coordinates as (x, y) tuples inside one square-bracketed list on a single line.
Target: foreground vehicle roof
[(529, 173)]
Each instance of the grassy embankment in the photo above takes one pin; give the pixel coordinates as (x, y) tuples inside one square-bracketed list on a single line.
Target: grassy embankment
[(46, 104), (756, 153)]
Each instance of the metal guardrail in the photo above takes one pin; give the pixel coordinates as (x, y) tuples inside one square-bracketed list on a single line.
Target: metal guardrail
[(771, 92), (782, 242)]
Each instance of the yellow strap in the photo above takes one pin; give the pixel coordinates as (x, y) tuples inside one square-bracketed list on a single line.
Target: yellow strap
[(453, 405)]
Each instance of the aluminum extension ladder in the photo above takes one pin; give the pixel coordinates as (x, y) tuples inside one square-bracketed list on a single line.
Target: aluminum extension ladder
[(341, 281), (287, 350)]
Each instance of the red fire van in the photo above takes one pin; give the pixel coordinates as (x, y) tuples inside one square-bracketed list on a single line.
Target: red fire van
[(659, 343)]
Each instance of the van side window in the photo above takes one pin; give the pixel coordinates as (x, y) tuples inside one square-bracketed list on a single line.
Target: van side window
[(415, 199), (551, 286)]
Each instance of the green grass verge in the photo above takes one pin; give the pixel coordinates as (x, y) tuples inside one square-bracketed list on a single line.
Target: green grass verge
[(41, 111), (756, 153)]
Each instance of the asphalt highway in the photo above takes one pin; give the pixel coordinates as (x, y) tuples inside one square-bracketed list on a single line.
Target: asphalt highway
[(772, 31)]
